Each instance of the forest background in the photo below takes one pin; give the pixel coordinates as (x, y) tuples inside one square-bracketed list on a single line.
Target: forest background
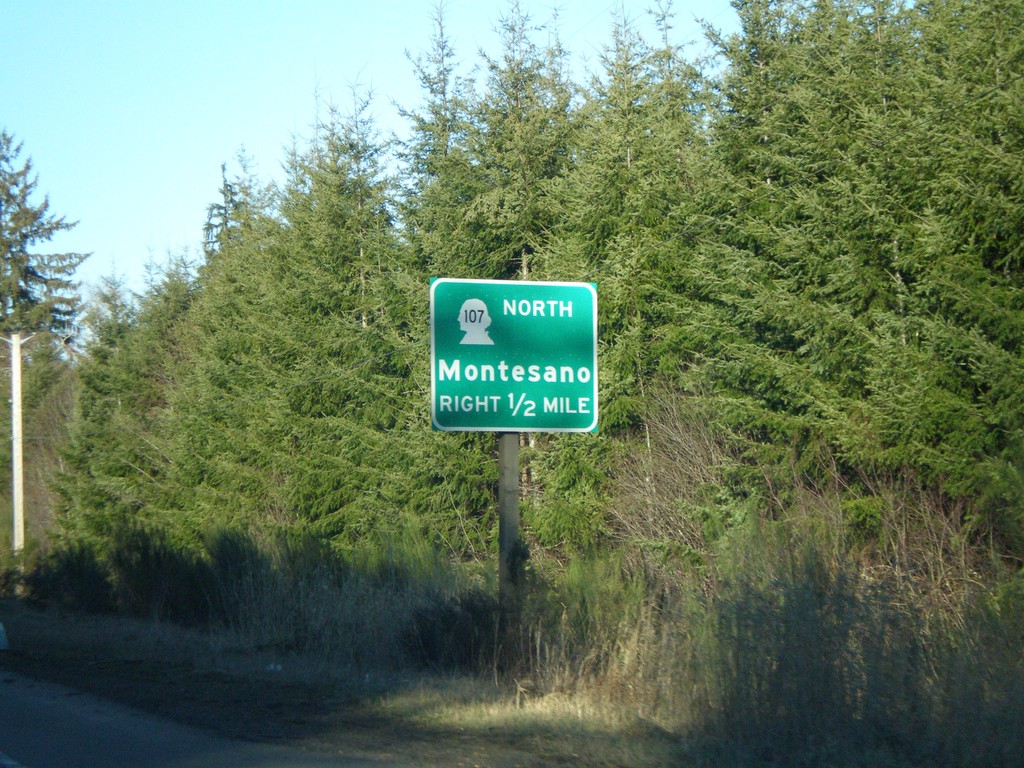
[(808, 253)]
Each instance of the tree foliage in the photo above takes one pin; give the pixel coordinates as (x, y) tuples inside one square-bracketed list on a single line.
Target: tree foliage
[(37, 289), (817, 238)]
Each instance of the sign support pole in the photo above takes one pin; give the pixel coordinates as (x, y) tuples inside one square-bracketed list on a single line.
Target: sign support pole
[(509, 554)]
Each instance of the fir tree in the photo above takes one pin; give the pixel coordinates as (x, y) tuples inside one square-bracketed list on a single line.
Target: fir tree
[(118, 458), (37, 290), (440, 179)]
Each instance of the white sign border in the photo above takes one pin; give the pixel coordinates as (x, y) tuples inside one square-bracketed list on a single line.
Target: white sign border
[(591, 428)]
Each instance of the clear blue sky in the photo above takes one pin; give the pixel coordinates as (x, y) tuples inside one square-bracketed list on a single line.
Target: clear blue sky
[(128, 108)]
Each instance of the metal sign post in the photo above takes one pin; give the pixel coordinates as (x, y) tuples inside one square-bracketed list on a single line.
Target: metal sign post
[(509, 555)]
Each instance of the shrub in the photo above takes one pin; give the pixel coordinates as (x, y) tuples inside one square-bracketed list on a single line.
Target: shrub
[(71, 576), (804, 669), (153, 576)]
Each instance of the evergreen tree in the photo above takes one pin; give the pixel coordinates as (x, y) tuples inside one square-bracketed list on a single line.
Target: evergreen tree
[(522, 141), (637, 153), (824, 239), (444, 182), (215, 424), (851, 301), (297, 408), (440, 179), (639, 167), (240, 198), (118, 460), (481, 163), (37, 290)]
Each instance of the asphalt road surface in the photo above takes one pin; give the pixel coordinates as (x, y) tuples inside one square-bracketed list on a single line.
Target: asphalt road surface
[(48, 726)]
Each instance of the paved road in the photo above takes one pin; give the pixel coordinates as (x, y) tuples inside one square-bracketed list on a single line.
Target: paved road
[(48, 726)]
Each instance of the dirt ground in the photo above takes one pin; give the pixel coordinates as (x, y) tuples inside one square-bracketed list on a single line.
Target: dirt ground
[(201, 681)]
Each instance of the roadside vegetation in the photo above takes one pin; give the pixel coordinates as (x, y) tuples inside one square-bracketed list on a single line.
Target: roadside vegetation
[(782, 653), (798, 538)]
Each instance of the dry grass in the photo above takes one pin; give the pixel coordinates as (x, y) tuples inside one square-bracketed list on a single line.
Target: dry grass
[(564, 728), (792, 660)]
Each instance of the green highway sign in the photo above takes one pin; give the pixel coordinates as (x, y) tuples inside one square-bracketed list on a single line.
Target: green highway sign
[(511, 356)]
